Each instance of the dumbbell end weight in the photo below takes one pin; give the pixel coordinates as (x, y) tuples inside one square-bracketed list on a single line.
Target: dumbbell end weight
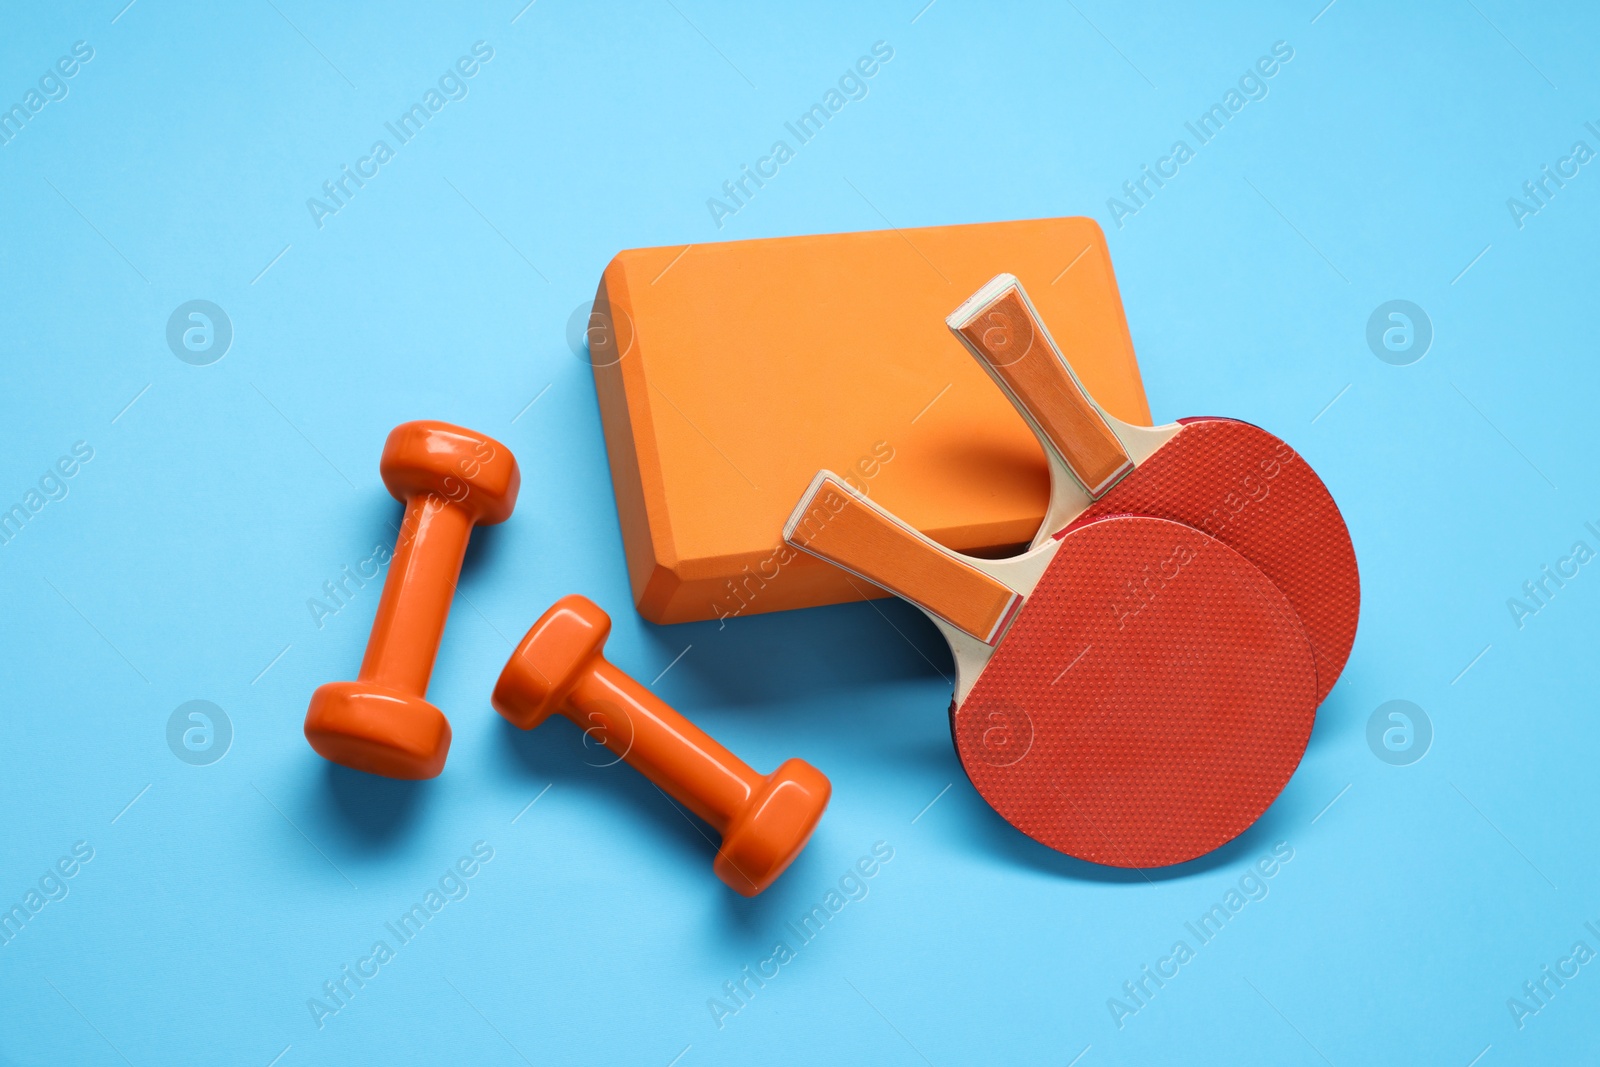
[(454, 464), (550, 661), (773, 828), (375, 728)]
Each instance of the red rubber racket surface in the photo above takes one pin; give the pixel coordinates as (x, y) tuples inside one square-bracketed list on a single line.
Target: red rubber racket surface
[(1255, 494), (1151, 699)]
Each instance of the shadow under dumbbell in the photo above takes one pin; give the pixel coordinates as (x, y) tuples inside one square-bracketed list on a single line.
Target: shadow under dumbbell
[(373, 809), (555, 752), (482, 552), (747, 923)]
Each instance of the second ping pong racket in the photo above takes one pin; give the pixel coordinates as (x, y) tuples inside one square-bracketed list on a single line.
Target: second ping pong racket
[(1134, 692), (1234, 481)]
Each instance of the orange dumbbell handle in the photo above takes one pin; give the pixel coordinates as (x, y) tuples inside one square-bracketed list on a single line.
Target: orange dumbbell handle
[(417, 594), (661, 744)]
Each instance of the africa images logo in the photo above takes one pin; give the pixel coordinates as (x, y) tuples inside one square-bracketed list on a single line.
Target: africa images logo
[(451, 85), (1252, 887), (199, 733), (852, 885), (455, 884), (1538, 592), (1251, 86), (52, 486), (852, 85), (199, 332), (1399, 332), (51, 88)]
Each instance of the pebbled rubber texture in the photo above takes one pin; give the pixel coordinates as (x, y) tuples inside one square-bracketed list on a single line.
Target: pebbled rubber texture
[(1151, 699), (1255, 494)]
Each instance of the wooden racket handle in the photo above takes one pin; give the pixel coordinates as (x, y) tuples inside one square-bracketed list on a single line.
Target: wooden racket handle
[(838, 524), (999, 326)]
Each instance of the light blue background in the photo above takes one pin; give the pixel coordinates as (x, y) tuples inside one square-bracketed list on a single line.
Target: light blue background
[(219, 502)]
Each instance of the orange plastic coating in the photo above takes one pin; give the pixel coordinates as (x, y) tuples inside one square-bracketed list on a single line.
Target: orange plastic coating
[(450, 479), (417, 594), (840, 527), (1010, 339), (764, 820)]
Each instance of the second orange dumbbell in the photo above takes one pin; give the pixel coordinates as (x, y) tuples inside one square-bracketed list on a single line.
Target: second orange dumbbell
[(765, 820)]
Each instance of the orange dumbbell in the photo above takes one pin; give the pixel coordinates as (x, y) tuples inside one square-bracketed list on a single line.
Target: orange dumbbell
[(764, 820), (450, 480)]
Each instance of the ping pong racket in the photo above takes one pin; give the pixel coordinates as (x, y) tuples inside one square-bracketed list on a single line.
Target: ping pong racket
[(1230, 479), (1134, 692)]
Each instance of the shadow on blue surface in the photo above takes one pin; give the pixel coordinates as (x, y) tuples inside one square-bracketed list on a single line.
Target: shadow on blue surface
[(985, 832), (374, 811), (784, 656), (483, 552), (555, 752)]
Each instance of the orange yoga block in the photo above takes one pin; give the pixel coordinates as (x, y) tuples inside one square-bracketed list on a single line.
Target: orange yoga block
[(729, 374)]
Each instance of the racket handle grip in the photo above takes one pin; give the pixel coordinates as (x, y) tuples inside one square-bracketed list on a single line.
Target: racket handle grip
[(837, 523), (1000, 327)]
